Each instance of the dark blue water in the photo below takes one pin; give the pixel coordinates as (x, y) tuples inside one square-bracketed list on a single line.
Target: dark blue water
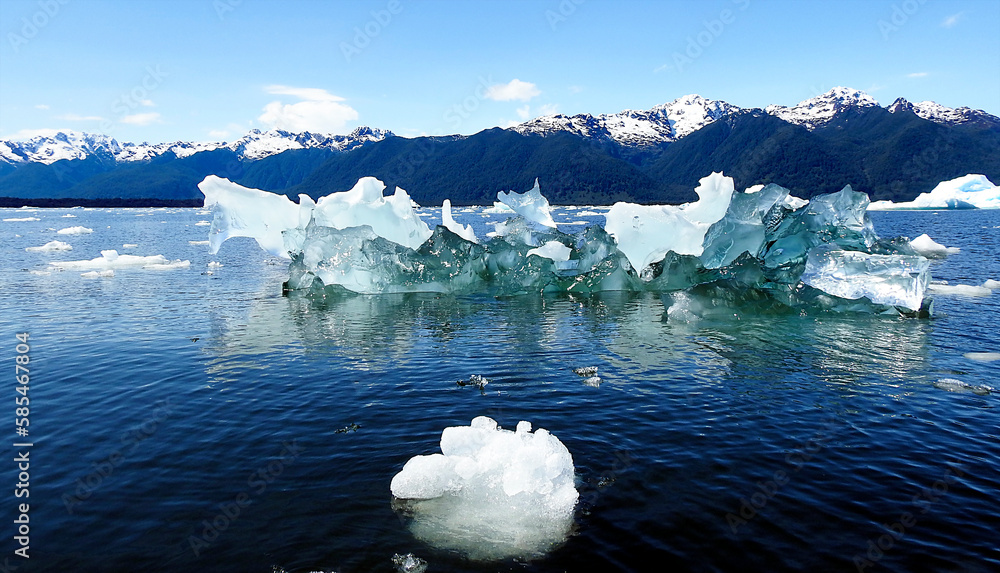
[(163, 402)]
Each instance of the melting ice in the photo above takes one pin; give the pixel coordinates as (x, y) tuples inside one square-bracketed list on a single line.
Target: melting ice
[(491, 493), (761, 248)]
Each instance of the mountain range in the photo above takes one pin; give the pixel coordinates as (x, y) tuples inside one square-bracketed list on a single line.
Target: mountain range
[(653, 156)]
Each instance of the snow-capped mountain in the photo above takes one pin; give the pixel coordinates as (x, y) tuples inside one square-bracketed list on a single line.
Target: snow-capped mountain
[(254, 145), (940, 114), (818, 111), (662, 124)]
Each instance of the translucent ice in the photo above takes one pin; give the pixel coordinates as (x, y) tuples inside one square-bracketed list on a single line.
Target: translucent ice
[(490, 493), (243, 212), (531, 205), (895, 280), (449, 222)]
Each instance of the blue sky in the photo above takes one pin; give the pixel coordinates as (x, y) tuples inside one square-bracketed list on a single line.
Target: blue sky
[(210, 70)]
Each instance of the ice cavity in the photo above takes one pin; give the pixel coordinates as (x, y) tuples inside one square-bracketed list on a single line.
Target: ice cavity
[(931, 249), (491, 493), (243, 212), (967, 192), (646, 233)]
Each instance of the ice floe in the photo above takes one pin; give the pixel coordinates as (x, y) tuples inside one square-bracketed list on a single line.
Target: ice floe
[(50, 247), (110, 259), (491, 493), (959, 290), (983, 356), (931, 249), (21, 219), (953, 385), (78, 230)]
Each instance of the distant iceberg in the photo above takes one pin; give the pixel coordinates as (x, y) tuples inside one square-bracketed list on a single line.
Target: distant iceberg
[(760, 250), (968, 192)]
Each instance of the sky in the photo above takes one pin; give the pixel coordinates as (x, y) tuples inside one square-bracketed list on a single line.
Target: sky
[(211, 70)]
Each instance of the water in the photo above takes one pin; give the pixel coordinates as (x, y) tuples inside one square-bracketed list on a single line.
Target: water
[(164, 401)]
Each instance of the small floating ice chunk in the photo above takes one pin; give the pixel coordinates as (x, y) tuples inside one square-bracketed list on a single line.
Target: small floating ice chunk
[(593, 381), (202, 223), (491, 493), (37, 272), (531, 205), (475, 380), (409, 563), (98, 274), (959, 290), (110, 259), (552, 250), (953, 385), (464, 231), (49, 247), (214, 264), (199, 242), (78, 230), (21, 219), (130, 245), (931, 249), (991, 284), (68, 216), (983, 356), (168, 266), (585, 371)]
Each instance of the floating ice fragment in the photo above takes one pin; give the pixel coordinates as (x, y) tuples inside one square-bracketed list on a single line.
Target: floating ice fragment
[(953, 385), (552, 250), (983, 356), (585, 371), (475, 380), (110, 259), (448, 221), (409, 563), (202, 223), (78, 230), (130, 245), (50, 246), (991, 284), (69, 216), (37, 272), (168, 266), (491, 493), (214, 264), (196, 243), (959, 290), (931, 249), (21, 219), (593, 381), (98, 274), (531, 205)]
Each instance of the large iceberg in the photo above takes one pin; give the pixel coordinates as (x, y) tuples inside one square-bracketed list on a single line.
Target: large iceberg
[(967, 192), (491, 493), (760, 247)]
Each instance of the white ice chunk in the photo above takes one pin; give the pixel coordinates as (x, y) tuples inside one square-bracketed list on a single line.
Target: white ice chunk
[(168, 266), (78, 230), (646, 233), (243, 212), (552, 250), (130, 245), (214, 264), (983, 356), (202, 223), (991, 284), (966, 192), (897, 280), (931, 249), (98, 274), (531, 205), (392, 217), (21, 219), (464, 231), (50, 246), (110, 259), (491, 493), (954, 385), (960, 290), (69, 216)]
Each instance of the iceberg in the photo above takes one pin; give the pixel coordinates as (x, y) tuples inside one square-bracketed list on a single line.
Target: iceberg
[(931, 249), (491, 493), (725, 253), (78, 230), (968, 192)]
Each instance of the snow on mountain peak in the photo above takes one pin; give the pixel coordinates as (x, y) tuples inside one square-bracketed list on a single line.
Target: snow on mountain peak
[(938, 113), (818, 111)]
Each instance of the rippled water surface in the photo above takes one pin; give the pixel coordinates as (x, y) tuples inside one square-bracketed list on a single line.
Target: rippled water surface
[(187, 420)]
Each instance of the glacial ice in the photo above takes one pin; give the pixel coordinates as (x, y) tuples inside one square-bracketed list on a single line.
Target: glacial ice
[(931, 249), (983, 356), (21, 219), (78, 230), (491, 493), (110, 259), (960, 290), (966, 192), (50, 246), (727, 251)]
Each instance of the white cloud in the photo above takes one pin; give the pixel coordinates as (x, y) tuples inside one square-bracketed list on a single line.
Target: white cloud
[(75, 117), (319, 111), (514, 90), (950, 21), (41, 106), (917, 75), (141, 118), (524, 112)]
